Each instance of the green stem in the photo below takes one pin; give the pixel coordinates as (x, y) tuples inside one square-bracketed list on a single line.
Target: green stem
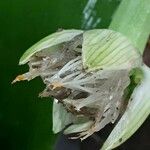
[(133, 20)]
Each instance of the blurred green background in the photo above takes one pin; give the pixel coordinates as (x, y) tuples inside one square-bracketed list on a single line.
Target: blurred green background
[(25, 119)]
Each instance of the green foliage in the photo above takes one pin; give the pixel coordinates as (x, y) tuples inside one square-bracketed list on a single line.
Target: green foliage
[(132, 19)]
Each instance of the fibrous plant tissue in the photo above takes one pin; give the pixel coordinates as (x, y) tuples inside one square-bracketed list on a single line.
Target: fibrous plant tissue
[(88, 99)]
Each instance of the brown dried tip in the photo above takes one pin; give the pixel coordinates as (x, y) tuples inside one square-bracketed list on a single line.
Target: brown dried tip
[(56, 85), (18, 78)]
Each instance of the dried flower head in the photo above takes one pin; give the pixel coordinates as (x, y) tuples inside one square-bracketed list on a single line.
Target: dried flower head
[(86, 73)]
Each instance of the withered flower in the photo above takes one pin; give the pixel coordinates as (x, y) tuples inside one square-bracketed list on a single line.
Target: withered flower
[(87, 73)]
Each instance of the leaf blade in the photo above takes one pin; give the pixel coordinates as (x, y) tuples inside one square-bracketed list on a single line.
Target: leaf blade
[(105, 49)]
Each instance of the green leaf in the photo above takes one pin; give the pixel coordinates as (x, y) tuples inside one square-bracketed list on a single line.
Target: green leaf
[(132, 19), (48, 42), (137, 111), (107, 49), (61, 117)]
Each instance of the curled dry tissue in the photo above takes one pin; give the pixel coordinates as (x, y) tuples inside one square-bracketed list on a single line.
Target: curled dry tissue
[(86, 73)]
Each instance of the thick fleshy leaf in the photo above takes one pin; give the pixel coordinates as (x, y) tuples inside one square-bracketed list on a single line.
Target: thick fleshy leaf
[(137, 111), (107, 49), (49, 41)]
